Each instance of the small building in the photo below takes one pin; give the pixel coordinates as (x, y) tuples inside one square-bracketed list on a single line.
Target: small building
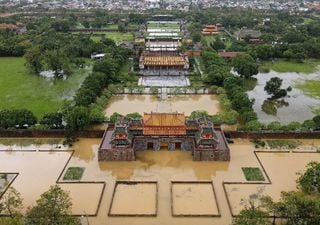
[(210, 30), (249, 34), (163, 130)]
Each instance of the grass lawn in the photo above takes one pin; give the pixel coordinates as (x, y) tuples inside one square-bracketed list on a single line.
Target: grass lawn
[(118, 37), (74, 173), (308, 66), (253, 174), (20, 89), (310, 88)]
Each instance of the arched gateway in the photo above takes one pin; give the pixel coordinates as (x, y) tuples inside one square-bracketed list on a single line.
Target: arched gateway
[(170, 130)]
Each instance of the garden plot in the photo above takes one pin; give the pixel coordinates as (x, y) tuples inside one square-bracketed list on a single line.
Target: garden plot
[(282, 168), (194, 199), (37, 171), (134, 199)]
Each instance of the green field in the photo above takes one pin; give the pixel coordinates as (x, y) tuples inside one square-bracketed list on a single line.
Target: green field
[(310, 88), (20, 89), (281, 66), (118, 37)]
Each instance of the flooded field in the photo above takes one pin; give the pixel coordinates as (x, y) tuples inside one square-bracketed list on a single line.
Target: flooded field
[(298, 106), (125, 104), (134, 198), (194, 199), (39, 169)]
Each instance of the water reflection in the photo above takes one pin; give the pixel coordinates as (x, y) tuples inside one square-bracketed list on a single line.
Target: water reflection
[(271, 106), (125, 104), (296, 107)]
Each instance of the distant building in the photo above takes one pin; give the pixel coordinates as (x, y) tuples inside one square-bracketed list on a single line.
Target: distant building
[(250, 34), (170, 130), (19, 28), (210, 30)]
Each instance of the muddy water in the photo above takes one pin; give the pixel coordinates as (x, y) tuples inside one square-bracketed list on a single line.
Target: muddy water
[(296, 107), (125, 104), (39, 170), (135, 199), (194, 199)]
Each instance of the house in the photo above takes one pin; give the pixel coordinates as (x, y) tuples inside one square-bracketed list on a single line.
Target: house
[(251, 35)]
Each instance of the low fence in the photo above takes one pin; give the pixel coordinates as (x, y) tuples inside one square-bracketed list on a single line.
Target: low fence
[(99, 134)]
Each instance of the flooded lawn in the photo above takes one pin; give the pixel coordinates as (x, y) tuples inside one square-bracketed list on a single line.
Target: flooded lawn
[(194, 199), (125, 104), (283, 178), (38, 170), (134, 198), (298, 106)]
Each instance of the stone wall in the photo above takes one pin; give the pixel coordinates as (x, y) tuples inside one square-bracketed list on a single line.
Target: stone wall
[(126, 154), (211, 155)]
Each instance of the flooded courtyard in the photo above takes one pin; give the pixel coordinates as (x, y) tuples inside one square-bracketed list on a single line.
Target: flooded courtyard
[(160, 187), (125, 104), (297, 106)]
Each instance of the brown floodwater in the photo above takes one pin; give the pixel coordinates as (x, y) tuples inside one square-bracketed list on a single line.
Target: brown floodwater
[(135, 199), (125, 104), (38, 170), (194, 199)]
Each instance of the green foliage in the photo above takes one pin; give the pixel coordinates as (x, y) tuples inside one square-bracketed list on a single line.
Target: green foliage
[(283, 144), (16, 118), (11, 205), (199, 114), (251, 216), (52, 120), (273, 87), (253, 174), (74, 173), (114, 117), (53, 207), (253, 125), (77, 118), (134, 115), (245, 65), (309, 181), (258, 143), (297, 207)]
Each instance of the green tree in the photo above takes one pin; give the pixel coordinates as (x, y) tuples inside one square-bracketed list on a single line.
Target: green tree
[(218, 45), (33, 58), (134, 115), (309, 181), (53, 207), (11, 205), (121, 27), (245, 65), (273, 87), (77, 118), (56, 60), (252, 216), (52, 120)]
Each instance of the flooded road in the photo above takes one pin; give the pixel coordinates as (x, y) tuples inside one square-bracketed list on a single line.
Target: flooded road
[(125, 104), (297, 106)]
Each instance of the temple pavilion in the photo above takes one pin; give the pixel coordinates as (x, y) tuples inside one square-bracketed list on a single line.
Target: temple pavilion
[(156, 131)]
